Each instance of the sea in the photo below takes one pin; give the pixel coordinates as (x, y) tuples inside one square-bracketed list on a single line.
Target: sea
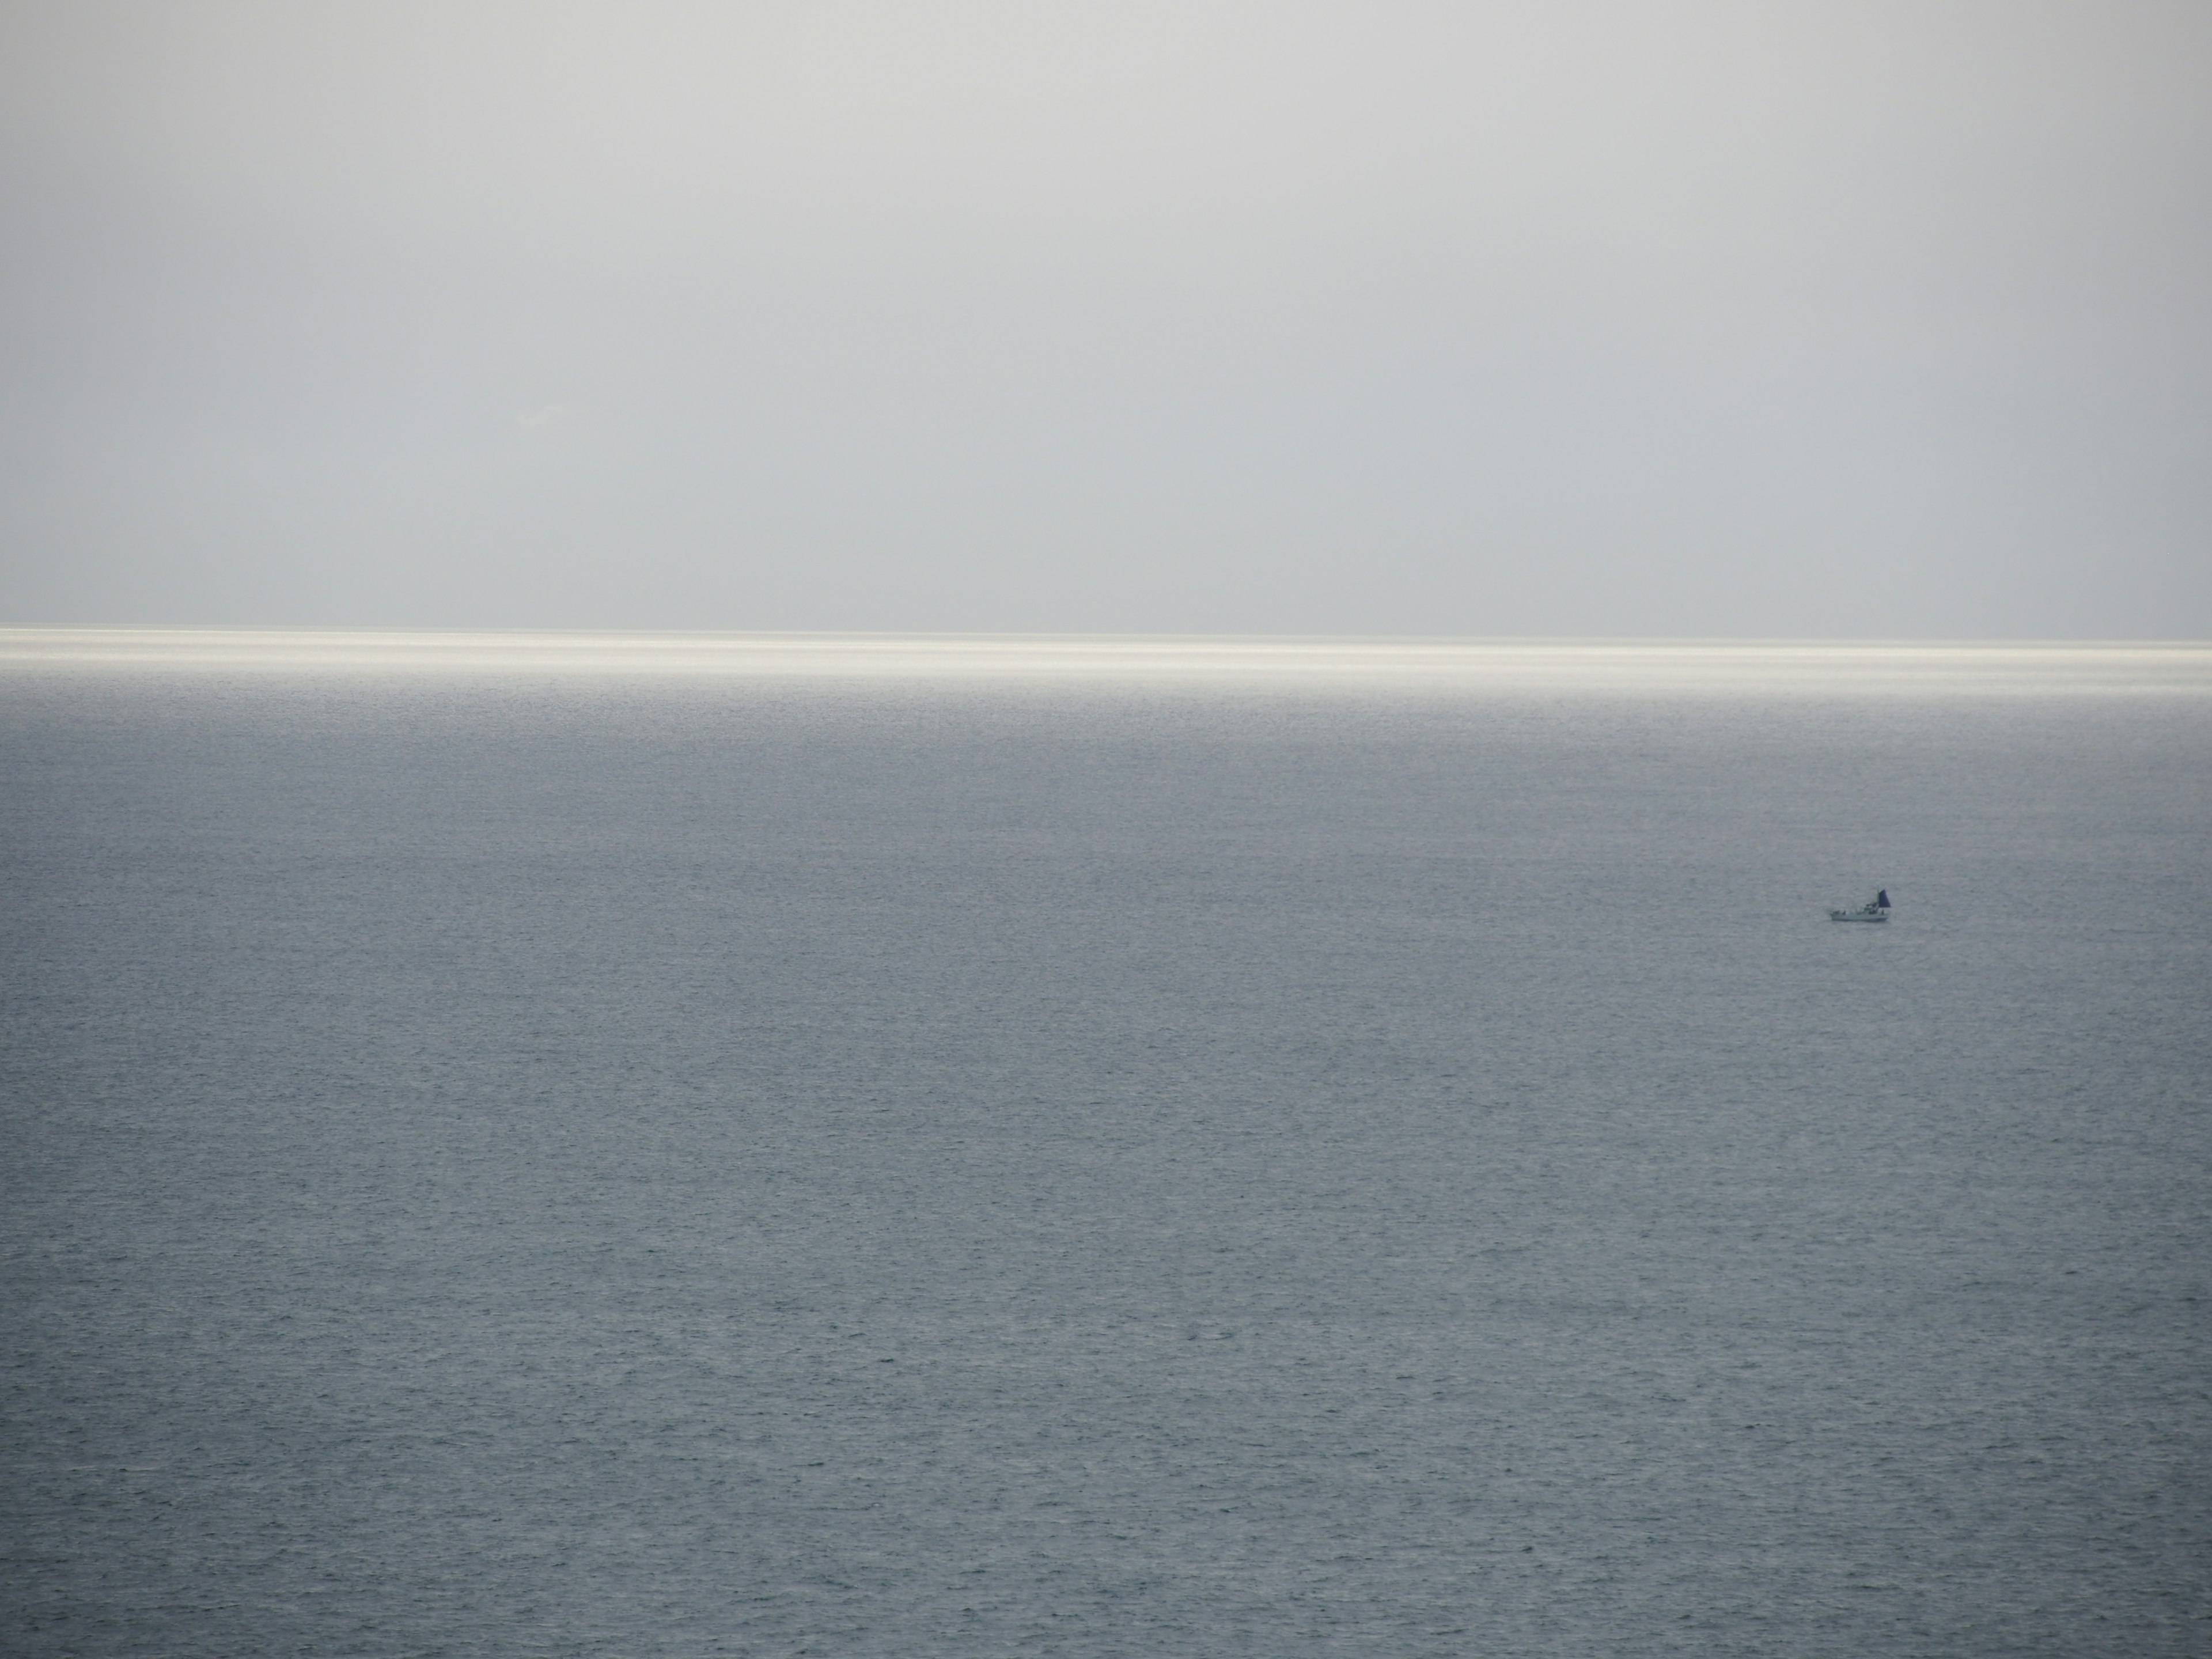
[(690, 1144)]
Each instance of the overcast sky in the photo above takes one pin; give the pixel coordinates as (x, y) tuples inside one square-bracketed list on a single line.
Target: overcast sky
[(1614, 318)]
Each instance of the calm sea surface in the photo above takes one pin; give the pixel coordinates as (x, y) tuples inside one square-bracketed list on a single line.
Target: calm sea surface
[(509, 1161)]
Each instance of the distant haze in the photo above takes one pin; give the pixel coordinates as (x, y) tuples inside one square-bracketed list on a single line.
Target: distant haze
[(1638, 319)]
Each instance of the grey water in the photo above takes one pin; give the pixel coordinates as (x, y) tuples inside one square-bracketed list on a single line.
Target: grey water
[(637, 1167)]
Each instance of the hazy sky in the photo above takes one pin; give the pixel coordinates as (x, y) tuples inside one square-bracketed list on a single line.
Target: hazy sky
[(1654, 318)]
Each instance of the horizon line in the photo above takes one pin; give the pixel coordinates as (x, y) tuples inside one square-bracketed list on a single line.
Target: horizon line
[(1346, 663), (457, 631)]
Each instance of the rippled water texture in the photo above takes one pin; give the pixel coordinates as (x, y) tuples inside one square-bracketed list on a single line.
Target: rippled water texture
[(1123, 1154)]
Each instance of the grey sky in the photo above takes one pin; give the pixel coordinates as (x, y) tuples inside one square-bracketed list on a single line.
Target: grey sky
[(1653, 318)]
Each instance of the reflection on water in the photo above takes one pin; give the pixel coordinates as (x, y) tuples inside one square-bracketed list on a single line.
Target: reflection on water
[(1781, 666)]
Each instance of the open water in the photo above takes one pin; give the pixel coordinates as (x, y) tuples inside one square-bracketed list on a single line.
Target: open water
[(506, 1160)]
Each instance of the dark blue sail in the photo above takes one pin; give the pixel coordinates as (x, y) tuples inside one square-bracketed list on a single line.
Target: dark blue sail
[(1882, 899)]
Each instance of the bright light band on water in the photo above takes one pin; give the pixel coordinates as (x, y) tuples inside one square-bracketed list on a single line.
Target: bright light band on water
[(1438, 664)]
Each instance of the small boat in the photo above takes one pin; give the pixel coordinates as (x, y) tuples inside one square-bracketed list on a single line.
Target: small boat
[(1876, 910)]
